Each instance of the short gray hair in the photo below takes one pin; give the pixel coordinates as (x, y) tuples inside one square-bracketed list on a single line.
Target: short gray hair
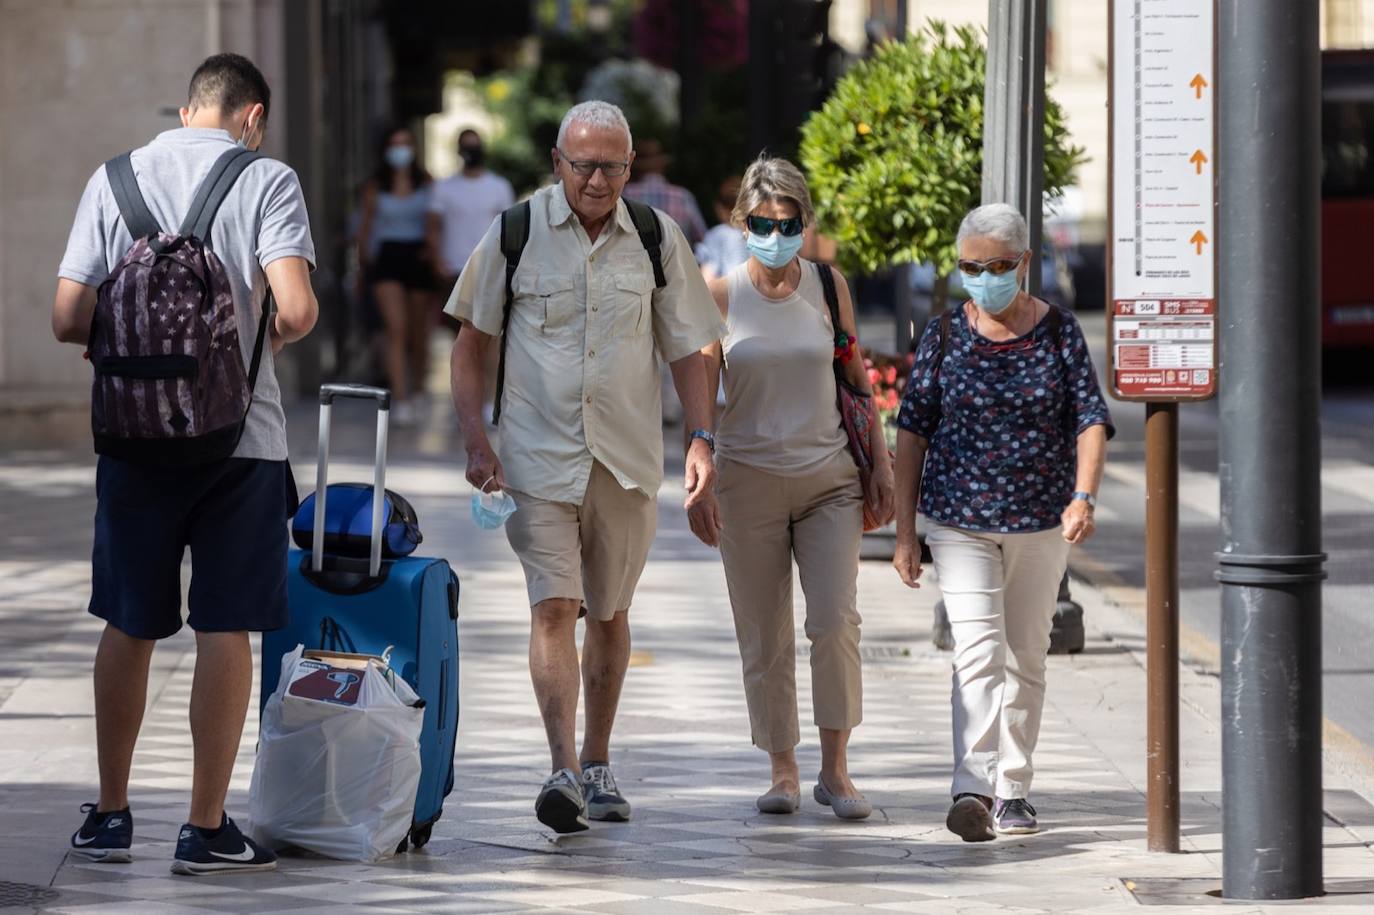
[(998, 221), (768, 180), (595, 114)]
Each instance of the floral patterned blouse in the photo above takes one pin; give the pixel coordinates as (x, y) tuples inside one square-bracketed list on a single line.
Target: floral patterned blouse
[(1002, 419)]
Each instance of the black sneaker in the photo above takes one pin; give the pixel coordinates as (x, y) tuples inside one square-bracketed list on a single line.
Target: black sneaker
[(560, 805), (225, 851), (970, 818), (105, 837), (604, 800)]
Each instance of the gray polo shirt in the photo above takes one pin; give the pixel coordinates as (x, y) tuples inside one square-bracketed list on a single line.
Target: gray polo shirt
[(263, 219)]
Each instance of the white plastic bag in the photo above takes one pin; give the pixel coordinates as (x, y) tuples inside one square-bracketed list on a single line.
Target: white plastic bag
[(338, 761)]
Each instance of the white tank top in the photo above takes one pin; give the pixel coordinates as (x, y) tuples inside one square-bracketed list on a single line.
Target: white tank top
[(780, 414)]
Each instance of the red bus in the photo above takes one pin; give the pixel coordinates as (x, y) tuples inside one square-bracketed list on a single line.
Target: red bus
[(1347, 199)]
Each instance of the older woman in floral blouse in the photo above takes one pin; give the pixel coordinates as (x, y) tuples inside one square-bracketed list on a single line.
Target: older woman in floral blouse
[(1002, 434)]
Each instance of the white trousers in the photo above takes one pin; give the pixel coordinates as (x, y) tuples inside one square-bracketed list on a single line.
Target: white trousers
[(1000, 592)]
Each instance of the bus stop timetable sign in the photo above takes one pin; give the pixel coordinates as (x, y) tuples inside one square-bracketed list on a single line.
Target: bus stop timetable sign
[(1162, 207)]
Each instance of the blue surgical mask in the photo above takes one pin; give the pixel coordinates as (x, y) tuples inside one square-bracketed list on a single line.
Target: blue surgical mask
[(491, 509), (776, 250), (993, 294), (400, 156)]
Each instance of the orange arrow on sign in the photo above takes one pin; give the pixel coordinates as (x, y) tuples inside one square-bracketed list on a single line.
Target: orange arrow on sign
[(1199, 84), (1198, 158), (1198, 239)]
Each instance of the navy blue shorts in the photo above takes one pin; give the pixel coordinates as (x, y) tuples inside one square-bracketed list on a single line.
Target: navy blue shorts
[(232, 514)]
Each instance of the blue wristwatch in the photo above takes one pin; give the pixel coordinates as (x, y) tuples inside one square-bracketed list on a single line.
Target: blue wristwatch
[(1086, 497), (705, 436)]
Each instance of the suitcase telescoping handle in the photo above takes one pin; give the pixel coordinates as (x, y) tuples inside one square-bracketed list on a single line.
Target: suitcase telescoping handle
[(383, 398)]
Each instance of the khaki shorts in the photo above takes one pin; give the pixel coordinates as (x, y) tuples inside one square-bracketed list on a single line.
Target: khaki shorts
[(593, 552)]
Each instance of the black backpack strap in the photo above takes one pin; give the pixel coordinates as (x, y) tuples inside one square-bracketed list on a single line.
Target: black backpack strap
[(138, 219), (832, 302), (515, 234), (212, 191), (650, 236)]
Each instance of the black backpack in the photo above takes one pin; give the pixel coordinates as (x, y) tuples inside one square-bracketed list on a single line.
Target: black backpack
[(515, 234), (170, 385)]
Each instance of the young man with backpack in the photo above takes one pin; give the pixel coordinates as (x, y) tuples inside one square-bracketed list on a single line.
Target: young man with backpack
[(174, 252), (582, 289)]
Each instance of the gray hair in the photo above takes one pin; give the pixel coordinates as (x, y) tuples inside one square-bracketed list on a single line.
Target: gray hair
[(772, 180), (595, 114), (998, 221)]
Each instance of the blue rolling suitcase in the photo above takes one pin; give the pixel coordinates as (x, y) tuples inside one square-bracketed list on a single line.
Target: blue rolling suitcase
[(355, 604)]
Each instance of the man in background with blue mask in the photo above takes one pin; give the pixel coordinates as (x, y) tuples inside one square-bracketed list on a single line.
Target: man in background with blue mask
[(581, 446)]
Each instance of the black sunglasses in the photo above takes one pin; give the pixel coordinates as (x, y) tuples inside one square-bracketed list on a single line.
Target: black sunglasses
[(997, 266), (762, 225)]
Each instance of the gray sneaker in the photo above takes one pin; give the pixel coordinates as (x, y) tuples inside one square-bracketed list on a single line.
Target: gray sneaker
[(604, 800), (560, 805), (970, 818), (1015, 817)]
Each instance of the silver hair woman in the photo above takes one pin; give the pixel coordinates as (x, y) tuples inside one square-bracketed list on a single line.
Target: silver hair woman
[(1003, 434), (788, 488)]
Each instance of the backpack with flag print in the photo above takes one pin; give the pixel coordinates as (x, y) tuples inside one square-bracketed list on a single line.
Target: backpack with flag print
[(170, 385)]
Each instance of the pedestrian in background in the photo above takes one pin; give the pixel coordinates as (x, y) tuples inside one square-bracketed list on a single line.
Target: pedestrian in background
[(651, 187), (462, 207), (401, 272), (231, 512), (723, 248), (1003, 435), (581, 448), (788, 487)]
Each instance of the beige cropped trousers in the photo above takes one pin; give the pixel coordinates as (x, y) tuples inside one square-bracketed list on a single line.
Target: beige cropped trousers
[(768, 520)]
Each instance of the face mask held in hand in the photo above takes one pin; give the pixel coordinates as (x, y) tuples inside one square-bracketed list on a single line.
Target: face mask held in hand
[(491, 509)]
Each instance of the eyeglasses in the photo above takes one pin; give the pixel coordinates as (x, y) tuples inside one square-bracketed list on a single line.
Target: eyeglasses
[(997, 266), (585, 168), (762, 225)]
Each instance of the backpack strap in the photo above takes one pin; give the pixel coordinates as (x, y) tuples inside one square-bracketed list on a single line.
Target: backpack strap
[(650, 236), (832, 302), (212, 191), (515, 234), (138, 219)]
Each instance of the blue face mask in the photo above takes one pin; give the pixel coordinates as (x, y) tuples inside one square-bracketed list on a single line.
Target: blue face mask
[(776, 250), (399, 157), (993, 294), (491, 509)]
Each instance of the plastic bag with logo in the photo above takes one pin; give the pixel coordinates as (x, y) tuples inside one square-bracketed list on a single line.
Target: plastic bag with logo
[(338, 761)]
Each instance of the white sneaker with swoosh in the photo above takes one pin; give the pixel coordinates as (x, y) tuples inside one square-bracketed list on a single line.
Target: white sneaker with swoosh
[(227, 850)]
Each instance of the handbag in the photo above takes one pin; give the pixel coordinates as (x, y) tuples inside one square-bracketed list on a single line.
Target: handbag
[(857, 415)]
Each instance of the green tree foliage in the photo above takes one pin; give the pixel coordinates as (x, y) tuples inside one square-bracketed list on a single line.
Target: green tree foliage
[(895, 155)]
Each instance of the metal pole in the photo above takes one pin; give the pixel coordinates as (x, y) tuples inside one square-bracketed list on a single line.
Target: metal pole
[(1268, 163), (1161, 624), (762, 58)]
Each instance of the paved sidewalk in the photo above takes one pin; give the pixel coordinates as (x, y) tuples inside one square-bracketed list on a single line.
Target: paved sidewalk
[(682, 752)]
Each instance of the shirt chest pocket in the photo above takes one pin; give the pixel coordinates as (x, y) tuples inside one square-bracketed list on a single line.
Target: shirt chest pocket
[(631, 303), (548, 300)]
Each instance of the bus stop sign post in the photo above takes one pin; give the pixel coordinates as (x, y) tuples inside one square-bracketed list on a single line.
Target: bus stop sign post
[(1161, 325)]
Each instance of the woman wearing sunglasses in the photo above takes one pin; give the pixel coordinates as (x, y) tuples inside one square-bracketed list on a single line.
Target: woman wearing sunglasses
[(788, 488), (1002, 434)]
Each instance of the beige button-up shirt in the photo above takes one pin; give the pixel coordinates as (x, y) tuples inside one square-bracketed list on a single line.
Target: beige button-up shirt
[(582, 377)]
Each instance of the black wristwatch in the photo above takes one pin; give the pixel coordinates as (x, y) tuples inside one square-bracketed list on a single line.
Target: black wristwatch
[(706, 436)]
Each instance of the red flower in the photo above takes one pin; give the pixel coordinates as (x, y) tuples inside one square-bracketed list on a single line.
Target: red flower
[(874, 376)]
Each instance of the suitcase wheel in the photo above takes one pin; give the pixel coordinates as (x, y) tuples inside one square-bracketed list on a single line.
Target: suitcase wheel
[(419, 837)]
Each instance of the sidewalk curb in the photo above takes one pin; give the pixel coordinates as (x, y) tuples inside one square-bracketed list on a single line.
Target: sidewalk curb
[(1114, 609)]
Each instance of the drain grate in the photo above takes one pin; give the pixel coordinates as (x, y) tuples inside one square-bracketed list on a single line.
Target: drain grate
[(25, 894)]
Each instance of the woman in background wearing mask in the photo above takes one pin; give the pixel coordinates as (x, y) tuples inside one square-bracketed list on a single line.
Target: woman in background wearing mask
[(393, 249), (1003, 434), (788, 487)]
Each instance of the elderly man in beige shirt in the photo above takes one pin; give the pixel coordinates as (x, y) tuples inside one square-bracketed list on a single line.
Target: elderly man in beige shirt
[(580, 444)]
